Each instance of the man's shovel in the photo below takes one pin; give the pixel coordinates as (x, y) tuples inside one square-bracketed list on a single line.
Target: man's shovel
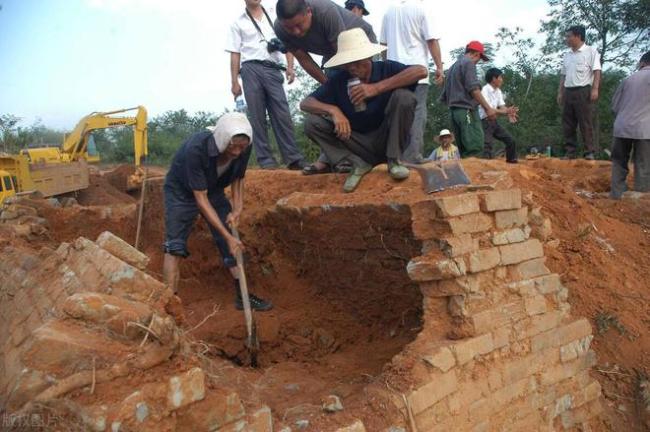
[(438, 176), (252, 342)]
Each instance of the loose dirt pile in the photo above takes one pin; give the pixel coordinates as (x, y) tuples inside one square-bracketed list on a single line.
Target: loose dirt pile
[(344, 306)]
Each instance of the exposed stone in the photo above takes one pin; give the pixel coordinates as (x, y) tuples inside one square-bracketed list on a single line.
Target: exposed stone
[(357, 426), (217, 409), (122, 250), (186, 389), (332, 404)]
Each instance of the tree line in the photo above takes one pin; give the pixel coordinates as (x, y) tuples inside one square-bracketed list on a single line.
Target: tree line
[(620, 29)]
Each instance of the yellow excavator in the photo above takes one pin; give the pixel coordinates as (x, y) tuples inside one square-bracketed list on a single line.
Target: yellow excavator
[(58, 170)]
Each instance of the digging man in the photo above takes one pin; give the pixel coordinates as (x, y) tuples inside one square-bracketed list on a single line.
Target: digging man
[(203, 167), (365, 112)]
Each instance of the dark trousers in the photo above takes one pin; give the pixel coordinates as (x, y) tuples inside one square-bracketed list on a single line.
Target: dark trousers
[(374, 147), (264, 92), (578, 112), (413, 152), (492, 131), (622, 148), (180, 215)]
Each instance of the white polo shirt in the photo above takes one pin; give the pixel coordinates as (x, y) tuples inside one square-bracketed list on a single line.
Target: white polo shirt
[(494, 98), (406, 27), (243, 38), (578, 66)]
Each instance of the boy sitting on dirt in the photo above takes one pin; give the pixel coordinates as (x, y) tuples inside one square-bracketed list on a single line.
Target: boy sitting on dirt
[(202, 168), (446, 150)]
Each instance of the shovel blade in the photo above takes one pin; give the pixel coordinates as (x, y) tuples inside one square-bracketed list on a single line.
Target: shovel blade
[(446, 175)]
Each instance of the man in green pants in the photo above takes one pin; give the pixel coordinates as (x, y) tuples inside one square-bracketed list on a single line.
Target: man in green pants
[(462, 94)]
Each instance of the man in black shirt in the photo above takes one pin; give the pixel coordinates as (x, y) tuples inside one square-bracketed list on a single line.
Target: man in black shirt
[(365, 112), (202, 168)]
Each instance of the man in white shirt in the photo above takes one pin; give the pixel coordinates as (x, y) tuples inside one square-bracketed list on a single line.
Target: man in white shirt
[(492, 130), (578, 92), (255, 54), (410, 34)]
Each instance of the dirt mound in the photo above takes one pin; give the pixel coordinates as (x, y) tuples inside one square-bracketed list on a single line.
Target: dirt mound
[(106, 190), (343, 305)]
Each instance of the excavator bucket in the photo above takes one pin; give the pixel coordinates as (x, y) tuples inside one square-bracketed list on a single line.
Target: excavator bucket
[(438, 176), (134, 181)]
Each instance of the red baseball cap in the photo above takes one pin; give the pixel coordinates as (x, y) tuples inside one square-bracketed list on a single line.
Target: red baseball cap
[(479, 48)]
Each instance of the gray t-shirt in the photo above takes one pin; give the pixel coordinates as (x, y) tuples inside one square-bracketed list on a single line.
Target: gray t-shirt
[(460, 82), (631, 104), (328, 20)]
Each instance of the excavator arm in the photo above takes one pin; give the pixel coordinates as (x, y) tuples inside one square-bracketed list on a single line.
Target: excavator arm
[(75, 144)]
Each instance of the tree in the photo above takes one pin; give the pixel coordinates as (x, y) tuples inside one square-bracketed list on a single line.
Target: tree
[(8, 124), (528, 59), (618, 28)]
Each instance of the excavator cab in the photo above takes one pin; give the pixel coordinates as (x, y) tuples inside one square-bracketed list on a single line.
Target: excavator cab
[(7, 187)]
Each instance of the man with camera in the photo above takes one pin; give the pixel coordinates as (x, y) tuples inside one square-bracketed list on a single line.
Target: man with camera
[(312, 27), (255, 54)]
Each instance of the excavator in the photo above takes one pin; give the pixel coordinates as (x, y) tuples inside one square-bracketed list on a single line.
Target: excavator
[(58, 170)]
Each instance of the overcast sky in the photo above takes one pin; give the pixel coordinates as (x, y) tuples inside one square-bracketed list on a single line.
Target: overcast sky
[(61, 59)]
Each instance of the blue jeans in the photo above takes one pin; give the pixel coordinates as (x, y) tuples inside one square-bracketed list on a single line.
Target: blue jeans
[(180, 214)]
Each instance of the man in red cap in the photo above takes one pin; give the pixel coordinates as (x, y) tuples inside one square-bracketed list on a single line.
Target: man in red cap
[(462, 94)]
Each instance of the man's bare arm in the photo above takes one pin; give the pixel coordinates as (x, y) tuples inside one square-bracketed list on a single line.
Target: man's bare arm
[(310, 66), (234, 74), (434, 50)]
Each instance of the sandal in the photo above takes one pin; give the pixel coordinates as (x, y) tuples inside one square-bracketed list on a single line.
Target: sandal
[(313, 170)]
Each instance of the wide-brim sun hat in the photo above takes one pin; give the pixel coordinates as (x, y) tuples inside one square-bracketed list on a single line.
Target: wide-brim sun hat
[(353, 45)]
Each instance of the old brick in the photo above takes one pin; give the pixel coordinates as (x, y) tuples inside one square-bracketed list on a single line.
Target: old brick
[(548, 284), (423, 269), (514, 235), (484, 259), (442, 359), (471, 223), (501, 337), (457, 205), (589, 393), (468, 349), (460, 245), (575, 349), (536, 217), (432, 417), (538, 324), (519, 252), (535, 305), (499, 316), (543, 231), (562, 335), (509, 199), (564, 371), (511, 218), (432, 392), (186, 388), (122, 250), (529, 269)]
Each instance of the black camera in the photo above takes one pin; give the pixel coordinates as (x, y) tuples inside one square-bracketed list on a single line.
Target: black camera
[(274, 45)]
